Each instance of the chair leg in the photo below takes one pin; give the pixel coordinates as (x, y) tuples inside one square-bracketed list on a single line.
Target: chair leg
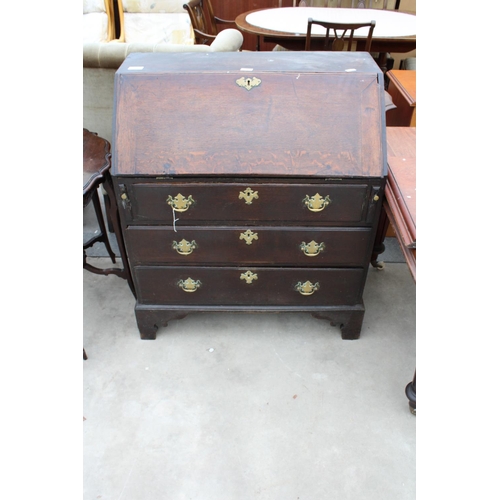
[(84, 354)]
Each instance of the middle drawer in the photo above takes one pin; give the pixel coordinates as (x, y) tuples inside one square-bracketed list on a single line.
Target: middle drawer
[(242, 245)]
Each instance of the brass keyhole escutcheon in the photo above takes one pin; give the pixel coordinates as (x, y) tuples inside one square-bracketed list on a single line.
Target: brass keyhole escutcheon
[(180, 203), (248, 277), (248, 195), (248, 83), (184, 247), (316, 203), (189, 285), (249, 236), (306, 288), (312, 248)]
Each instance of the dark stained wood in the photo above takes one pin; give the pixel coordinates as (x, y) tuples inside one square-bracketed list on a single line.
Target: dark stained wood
[(278, 127), (222, 202), (96, 162), (400, 208), (400, 201), (350, 321), (348, 318), (200, 161), (96, 165), (96, 172), (219, 245), (411, 394), (158, 285)]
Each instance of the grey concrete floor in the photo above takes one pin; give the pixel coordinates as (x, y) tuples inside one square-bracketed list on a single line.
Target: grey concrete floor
[(244, 406)]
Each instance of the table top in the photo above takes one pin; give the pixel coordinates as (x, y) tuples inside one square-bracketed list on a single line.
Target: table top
[(96, 160), (293, 21), (402, 192)]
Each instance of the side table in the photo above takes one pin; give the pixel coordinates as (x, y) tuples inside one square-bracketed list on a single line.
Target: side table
[(403, 90), (400, 208), (96, 167)]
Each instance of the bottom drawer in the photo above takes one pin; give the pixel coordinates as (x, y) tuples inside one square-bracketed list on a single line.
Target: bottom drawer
[(179, 285)]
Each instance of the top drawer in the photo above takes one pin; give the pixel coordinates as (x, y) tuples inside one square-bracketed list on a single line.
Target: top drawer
[(232, 202)]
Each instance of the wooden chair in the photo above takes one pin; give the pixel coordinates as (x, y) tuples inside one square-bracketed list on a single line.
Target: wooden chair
[(337, 34), (343, 33), (204, 22)]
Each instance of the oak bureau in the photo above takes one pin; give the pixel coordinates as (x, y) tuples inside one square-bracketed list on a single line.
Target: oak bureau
[(249, 182)]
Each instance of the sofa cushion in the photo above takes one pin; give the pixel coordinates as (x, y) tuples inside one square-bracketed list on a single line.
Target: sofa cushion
[(93, 6), (154, 6), (158, 28), (95, 21)]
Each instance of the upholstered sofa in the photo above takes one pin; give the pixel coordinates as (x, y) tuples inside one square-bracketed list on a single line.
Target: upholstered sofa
[(142, 28)]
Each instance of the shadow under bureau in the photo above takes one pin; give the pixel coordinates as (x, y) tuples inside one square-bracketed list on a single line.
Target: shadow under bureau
[(249, 182)]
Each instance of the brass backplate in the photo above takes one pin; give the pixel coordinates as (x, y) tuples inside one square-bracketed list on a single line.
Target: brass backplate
[(189, 285), (312, 248), (316, 203), (184, 247), (180, 203), (306, 288)]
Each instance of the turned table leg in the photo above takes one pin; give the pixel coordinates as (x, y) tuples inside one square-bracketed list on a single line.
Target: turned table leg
[(411, 394), (378, 246)]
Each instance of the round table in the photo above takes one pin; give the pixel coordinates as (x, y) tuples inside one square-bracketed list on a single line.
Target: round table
[(395, 31)]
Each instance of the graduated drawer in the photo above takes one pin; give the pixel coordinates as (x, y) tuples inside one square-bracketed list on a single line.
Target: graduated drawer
[(197, 202), (247, 286), (251, 246)]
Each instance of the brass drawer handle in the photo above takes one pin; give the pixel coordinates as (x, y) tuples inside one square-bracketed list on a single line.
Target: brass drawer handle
[(312, 248), (249, 236), (180, 203), (184, 247), (248, 195), (306, 288), (248, 277), (316, 203), (189, 285)]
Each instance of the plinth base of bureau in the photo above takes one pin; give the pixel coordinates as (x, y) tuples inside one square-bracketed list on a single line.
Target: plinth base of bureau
[(150, 318)]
